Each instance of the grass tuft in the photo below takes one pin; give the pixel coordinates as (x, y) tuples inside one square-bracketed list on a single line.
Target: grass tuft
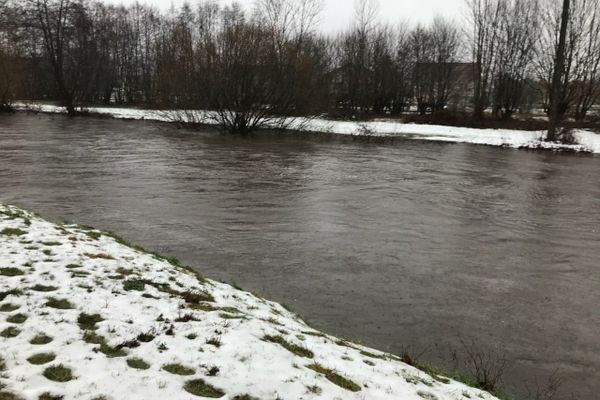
[(231, 310), (294, 348), (178, 369), (87, 322), (10, 332), (335, 378), (93, 338), (12, 232), (109, 351), (199, 388), (61, 304), (50, 396), (44, 288), (12, 292), (125, 271), (314, 389), (102, 256), (137, 363), (11, 271), (214, 341), (231, 316), (41, 358), (202, 307), (93, 235), (134, 285), (51, 243), (58, 373), (197, 297), (146, 337), (9, 307), (9, 396), (186, 318), (317, 334), (41, 339), (373, 355), (17, 318)]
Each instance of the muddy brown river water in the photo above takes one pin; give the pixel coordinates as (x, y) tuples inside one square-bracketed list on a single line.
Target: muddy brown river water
[(403, 245)]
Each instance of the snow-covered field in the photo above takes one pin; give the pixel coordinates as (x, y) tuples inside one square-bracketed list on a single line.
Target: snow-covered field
[(587, 141), (84, 315)]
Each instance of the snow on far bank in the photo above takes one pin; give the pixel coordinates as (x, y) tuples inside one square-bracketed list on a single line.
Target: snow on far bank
[(587, 141), (85, 316)]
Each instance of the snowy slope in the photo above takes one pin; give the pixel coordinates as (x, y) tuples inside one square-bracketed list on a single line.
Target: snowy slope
[(85, 316), (588, 141)]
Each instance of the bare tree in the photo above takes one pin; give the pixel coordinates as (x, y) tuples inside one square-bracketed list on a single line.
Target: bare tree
[(402, 83), (518, 32), (434, 51), (6, 73), (52, 18), (485, 23), (249, 95), (585, 86), (579, 86), (445, 41), (383, 70), (248, 72), (422, 55), (558, 86), (355, 59), (258, 68), (365, 15)]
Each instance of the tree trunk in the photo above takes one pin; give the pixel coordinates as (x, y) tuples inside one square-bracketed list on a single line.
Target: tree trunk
[(559, 65)]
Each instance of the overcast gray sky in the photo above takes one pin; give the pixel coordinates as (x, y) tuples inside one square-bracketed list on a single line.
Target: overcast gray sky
[(338, 13)]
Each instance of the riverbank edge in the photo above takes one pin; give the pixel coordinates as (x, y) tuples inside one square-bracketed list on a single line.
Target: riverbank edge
[(12, 213), (585, 141)]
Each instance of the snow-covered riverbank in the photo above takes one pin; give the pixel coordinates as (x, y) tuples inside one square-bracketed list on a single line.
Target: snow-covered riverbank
[(587, 141), (86, 316)]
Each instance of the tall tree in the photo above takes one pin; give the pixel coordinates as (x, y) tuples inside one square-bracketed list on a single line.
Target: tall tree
[(52, 17), (6, 78), (485, 22), (519, 31), (559, 63)]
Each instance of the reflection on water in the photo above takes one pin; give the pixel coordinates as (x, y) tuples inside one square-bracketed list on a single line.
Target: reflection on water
[(403, 244)]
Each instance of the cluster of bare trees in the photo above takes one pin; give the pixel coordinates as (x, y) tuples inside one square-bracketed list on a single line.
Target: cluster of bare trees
[(515, 44), (389, 69), (250, 71), (255, 67), (503, 45), (9, 62)]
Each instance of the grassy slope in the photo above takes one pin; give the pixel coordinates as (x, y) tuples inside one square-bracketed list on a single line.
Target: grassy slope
[(83, 314)]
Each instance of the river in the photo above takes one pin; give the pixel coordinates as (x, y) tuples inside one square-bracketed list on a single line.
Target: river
[(406, 245)]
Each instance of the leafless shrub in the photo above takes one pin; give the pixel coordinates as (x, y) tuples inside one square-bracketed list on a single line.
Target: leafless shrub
[(214, 341), (546, 391), (485, 366), (412, 355)]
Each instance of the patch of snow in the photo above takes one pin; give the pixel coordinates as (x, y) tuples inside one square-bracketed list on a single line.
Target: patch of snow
[(219, 332), (587, 141)]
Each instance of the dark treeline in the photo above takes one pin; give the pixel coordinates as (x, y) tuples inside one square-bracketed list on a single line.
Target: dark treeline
[(251, 67)]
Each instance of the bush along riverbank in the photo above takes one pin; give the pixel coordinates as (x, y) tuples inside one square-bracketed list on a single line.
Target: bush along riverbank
[(86, 315)]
